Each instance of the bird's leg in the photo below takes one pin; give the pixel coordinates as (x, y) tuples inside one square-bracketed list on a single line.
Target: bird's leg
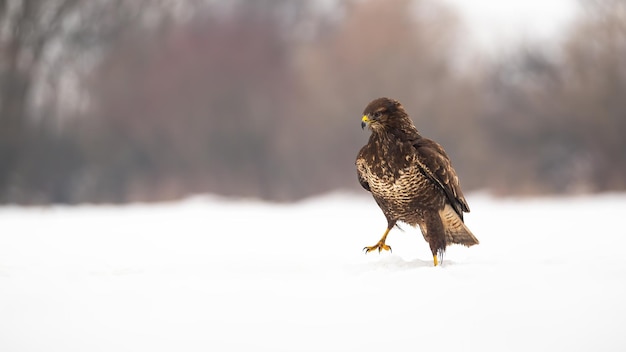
[(381, 244), (438, 257)]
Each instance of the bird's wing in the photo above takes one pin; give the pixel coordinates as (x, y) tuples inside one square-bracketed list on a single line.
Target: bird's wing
[(435, 164), (360, 169)]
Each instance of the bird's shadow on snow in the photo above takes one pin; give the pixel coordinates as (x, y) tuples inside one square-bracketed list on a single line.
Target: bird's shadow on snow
[(397, 263)]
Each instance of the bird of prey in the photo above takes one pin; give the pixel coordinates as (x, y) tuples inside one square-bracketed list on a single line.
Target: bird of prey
[(411, 179)]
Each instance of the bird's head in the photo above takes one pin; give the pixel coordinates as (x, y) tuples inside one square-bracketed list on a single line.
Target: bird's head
[(385, 115)]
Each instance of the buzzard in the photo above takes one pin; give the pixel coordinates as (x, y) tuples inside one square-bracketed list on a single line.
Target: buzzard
[(411, 179)]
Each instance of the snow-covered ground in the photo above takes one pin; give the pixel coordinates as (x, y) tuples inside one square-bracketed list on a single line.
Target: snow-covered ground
[(209, 274)]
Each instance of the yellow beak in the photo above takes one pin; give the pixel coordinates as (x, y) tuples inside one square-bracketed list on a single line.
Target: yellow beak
[(364, 121)]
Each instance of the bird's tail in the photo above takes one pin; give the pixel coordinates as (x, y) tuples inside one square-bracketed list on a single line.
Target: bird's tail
[(455, 229)]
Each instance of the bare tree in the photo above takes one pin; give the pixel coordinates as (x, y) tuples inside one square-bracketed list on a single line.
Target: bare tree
[(27, 28), (595, 90), (559, 118), (45, 46)]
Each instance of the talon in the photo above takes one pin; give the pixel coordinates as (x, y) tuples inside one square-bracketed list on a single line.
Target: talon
[(380, 246), (369, 249)]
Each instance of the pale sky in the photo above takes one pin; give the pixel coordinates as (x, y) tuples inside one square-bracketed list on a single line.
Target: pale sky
[(493, 23)]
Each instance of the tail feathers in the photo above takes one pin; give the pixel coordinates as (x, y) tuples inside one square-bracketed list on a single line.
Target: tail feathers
[(455, 229)]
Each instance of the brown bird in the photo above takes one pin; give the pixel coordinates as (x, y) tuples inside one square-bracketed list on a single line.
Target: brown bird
[(411, 179)]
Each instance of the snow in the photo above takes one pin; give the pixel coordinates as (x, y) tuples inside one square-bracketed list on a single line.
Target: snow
[(210, 274)]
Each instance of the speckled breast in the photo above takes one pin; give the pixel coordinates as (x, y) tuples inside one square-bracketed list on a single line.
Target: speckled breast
[(404, 195)]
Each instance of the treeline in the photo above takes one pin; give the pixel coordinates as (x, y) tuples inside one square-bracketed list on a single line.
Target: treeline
[(119, 101)]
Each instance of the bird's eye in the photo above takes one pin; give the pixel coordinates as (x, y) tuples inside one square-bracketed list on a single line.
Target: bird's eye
[(376, 115)]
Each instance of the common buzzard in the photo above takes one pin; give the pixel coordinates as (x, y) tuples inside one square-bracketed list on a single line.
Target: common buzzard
[(411, 179)]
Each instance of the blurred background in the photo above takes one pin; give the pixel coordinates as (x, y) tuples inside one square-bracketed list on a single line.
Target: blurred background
[(149, 100)]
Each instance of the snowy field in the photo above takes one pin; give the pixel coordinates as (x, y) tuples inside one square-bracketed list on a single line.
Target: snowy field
[(209, 274)]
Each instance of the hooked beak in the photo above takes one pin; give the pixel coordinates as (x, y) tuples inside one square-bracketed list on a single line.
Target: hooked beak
[(364, 121)]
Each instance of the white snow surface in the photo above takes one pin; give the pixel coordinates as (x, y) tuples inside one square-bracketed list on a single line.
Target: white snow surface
[(211, 274)]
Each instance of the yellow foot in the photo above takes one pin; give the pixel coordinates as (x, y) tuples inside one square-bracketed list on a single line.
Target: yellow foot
[(435, 260), (380, 246)]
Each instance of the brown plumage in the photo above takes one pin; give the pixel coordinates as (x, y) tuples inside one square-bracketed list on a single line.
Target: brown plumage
[(411, 179)]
